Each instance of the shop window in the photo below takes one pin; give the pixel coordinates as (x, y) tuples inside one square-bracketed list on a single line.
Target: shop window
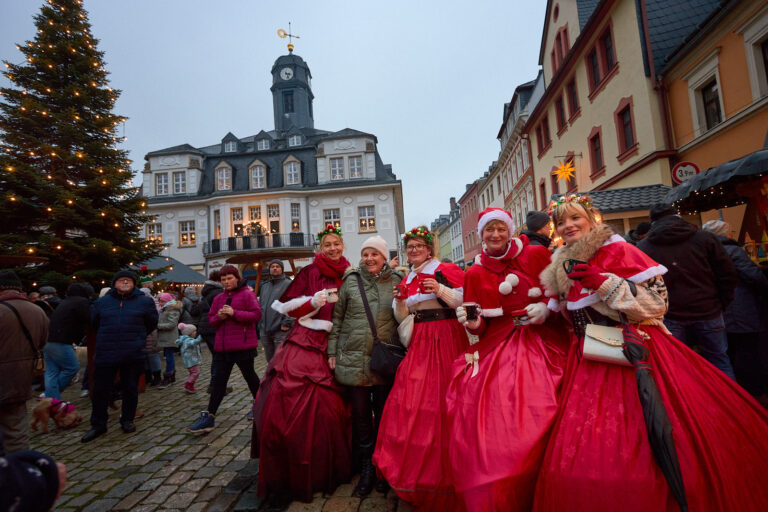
[(237, 221), (367, 218)]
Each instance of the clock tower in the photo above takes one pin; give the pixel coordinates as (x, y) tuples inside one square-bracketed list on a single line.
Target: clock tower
[(292, 93)]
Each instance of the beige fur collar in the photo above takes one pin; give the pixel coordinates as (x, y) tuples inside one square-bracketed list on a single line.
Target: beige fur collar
[(553, 278)]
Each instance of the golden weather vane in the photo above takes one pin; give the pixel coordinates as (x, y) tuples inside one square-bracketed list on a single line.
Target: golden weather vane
[(283, 34)]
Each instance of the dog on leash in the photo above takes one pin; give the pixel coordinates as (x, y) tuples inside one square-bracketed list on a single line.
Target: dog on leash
[(64, 414)]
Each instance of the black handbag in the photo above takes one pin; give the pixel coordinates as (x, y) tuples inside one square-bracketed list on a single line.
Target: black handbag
[(385, 357)]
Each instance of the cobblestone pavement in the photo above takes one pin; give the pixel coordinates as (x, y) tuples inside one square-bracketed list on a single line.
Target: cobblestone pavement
[(161, 467)]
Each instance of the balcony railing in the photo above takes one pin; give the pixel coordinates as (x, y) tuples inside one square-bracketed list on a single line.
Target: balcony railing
[(253, 243)]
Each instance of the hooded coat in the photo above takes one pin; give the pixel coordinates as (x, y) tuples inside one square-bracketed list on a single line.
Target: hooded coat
[(168, 324), (237, 332), (70, 319), (701, 277), (749, 310), (351, 339), (269, 292), (210, 290)]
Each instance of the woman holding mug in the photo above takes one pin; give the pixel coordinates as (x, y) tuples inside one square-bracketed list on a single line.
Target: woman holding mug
[(412, 447), (301, 429), (351, 342), (600, 455)]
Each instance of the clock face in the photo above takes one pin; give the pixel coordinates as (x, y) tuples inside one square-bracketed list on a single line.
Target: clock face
[(286, 73)]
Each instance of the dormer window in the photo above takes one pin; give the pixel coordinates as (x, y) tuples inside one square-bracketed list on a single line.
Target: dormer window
[(294, 140), (223, 178), (230, 147), (292, 173), (161, 184), (262, 144)]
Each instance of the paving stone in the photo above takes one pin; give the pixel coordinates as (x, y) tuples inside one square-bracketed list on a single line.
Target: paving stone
[(145, 508), (166, 470), (378, 504), (222, 503), (81, 500), (151, 484), (248, 502), (222, 478), (235, 465), (344, 490), (179, 477), (297, 506), (238, 484), (196, 463), (194, 485), (129, 502), (341, 504), (251, 468), (198, 507), (101, 505), (104, 485), (208, 494), (182, 459), (161, 494), (78, 489), (207, 472)]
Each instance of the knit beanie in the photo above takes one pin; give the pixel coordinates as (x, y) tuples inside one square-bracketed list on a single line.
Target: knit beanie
[(378, 243), (717, 227), (535, 220), (229, 270), (145, 279), (124, 273), (279, 262), (47, 290), (187, 329), (9, 280), (165, 297), (662, 210)]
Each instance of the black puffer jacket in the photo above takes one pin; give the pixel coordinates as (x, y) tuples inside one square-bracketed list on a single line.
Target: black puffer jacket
[(701, 277), (749, 310), (201, 308), (537, 238), (70, 319)]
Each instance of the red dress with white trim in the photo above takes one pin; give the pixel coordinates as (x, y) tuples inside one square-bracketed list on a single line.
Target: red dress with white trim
[(599, 457), (412, 446), (302, 431), (503, 399)]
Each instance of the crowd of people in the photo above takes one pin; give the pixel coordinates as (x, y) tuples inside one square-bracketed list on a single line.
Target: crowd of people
[(602, 374)]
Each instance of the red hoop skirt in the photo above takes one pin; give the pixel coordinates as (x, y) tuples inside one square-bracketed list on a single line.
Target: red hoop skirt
[(599, 457), (412, 446)]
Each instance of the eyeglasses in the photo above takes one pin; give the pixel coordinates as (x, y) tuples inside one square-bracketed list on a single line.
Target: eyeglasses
[(415, 247)]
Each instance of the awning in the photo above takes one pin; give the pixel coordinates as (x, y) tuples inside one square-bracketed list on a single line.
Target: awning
[(177, 273), (722, 186)]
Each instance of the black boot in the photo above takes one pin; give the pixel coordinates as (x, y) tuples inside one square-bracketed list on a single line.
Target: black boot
[(173, 376), (367, 478), (156, 378), (381, 486)]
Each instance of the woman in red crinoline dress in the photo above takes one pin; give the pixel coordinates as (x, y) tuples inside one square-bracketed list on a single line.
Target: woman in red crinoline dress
[(503, 398), (412, 446), (302, 432), (599, 457)]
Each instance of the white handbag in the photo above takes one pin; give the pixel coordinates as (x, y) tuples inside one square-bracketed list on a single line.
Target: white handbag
[(604, 344), (405, 330)]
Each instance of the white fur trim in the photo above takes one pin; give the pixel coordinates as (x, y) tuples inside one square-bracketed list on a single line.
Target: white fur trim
[(419, 297), (499, 214), (613, 239), (593, 298), (315, 324), (491, 313), (553, 304), (477, 260), (534, 292), (648, 273), (284, 307), (428, 269)]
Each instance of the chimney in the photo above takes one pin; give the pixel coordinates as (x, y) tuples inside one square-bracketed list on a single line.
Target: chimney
[(453, 203)]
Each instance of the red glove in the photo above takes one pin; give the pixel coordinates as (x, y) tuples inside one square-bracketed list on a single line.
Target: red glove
[(589, 276)]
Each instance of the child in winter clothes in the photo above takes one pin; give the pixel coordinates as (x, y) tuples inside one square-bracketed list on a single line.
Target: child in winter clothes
[(189, 342)]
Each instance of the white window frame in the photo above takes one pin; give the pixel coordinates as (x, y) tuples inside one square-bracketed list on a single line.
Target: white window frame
[(262, 144), (154, 231), (698, 77), (294, 140), (755, 32), (526, 158), (292, 172), (354, 170), (336, 166), (224, 178), (236, 214), (230, 146), (366, 214), (273, 208), (161, 184), (254, 213), (180, 185), (217, 223), (187, 227), (296, 216), (332, 216), (257, 183)]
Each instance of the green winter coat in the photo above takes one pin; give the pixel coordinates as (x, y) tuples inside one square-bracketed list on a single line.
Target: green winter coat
[(168, 325), (351, 340)]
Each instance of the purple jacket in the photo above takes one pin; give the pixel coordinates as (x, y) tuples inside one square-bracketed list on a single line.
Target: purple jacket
[(238, 332)]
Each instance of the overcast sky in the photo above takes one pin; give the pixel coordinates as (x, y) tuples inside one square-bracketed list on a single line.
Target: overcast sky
[(428, 78)]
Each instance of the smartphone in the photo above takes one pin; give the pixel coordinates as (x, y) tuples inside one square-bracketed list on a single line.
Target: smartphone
[(229, 301), (570, 263)]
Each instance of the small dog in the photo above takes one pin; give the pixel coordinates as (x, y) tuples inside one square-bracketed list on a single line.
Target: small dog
[(64, 414)]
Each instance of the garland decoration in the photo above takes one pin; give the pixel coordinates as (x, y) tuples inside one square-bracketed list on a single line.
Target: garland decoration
[(421, 232), (583, 200), (329, 230)]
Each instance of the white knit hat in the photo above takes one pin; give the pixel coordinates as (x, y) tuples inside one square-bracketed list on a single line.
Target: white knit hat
[(378, 243), (490, 214)]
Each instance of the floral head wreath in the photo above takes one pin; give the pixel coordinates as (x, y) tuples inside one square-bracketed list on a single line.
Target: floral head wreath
[(569, 198), (329, 230), (421, 232)]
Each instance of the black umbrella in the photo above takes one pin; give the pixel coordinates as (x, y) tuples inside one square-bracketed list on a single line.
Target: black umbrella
[(656, 419)]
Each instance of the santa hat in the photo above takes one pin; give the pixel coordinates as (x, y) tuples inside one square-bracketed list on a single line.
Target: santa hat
[(490, 214)]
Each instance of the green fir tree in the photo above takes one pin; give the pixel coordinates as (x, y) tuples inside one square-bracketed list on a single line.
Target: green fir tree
[(65, 187)]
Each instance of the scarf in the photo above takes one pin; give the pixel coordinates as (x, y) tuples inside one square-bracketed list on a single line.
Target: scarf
[(330, 268), (502, 264)]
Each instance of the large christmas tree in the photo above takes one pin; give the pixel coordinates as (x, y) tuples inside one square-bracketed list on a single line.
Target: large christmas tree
[(66, 191)]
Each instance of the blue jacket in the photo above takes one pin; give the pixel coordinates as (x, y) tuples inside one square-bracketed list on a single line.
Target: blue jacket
[(122, 323), (190, 350)]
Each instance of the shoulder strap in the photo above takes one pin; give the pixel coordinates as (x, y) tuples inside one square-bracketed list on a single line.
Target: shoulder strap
[(23, 328), (367, 308)]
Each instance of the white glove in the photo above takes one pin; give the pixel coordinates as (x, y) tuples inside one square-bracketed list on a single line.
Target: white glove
[(319, 299), (461, 316), (537, 312)]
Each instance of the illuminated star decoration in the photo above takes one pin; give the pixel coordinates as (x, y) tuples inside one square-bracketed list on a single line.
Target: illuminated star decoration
[(564, 171)]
